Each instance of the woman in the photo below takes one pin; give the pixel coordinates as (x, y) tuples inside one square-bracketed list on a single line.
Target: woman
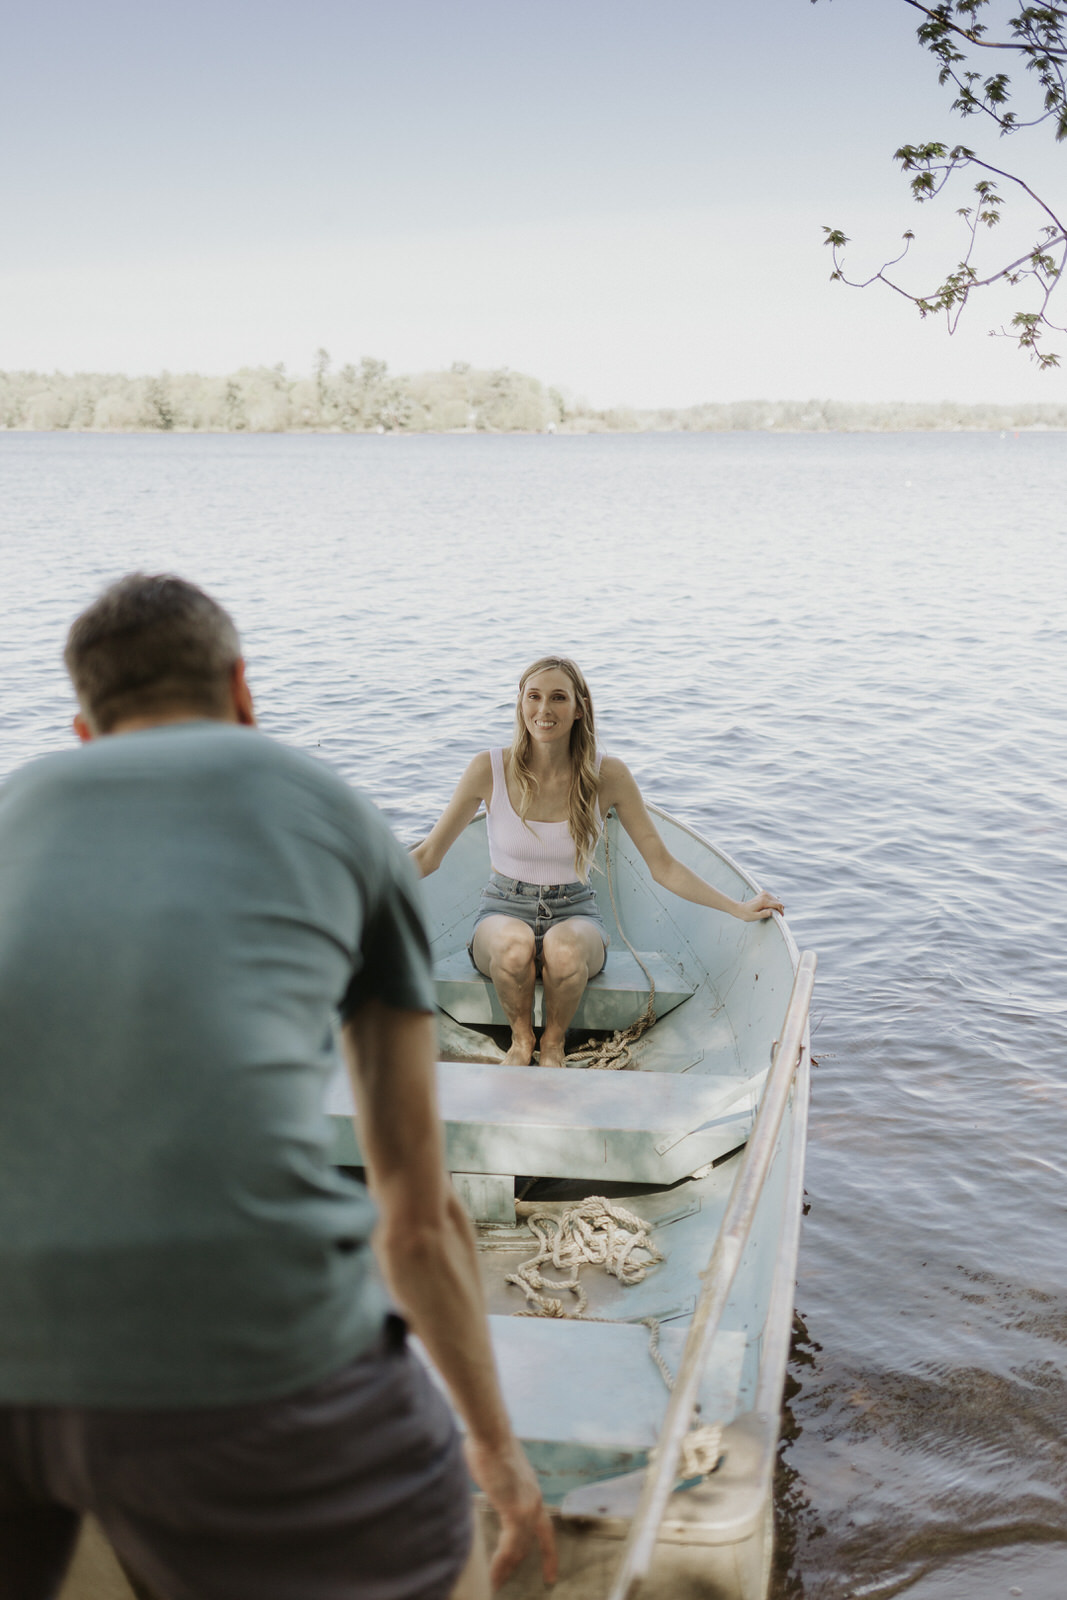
[(545, 799)]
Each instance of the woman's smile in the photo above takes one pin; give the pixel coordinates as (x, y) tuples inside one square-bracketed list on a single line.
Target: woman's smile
[(549, 705)]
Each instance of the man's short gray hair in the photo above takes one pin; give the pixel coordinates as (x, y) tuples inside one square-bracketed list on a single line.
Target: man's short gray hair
[(150, 644)]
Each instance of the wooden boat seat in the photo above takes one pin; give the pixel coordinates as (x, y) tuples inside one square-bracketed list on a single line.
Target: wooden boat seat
[(644, 1127), (613, 999), (545, 1363), (604, 1362)]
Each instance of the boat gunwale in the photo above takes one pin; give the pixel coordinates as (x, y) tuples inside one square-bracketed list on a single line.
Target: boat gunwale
[(746, 877)]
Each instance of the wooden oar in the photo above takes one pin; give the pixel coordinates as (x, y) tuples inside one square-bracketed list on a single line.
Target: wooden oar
[(718, 1279)]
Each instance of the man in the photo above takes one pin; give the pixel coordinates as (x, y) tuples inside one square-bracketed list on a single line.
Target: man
[(194, 1342)]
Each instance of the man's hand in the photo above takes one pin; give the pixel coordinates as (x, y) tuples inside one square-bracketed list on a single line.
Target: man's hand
[(508, 1481)]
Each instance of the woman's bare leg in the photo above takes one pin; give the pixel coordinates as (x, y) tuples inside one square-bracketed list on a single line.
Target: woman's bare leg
[(572, 953), (504, 951)]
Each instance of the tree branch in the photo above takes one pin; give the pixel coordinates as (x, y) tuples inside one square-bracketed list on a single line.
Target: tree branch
[(940, 15), (1040, 40)]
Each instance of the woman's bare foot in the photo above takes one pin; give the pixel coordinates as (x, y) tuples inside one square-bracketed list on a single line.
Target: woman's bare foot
[(521, 1052), (552, 1054)]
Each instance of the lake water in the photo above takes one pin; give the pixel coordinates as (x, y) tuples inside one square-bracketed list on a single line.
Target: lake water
[(844, 659)]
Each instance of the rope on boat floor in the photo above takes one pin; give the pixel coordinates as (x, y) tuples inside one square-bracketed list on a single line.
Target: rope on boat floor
[(701, 1447), (596, 1232), (614, 1054), (652, 1324), (593, 1231), (701, 1452)]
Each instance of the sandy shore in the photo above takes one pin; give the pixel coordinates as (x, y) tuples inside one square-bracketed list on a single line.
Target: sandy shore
[(95, 1574)]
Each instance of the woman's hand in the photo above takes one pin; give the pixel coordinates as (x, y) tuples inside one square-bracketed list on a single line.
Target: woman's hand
[(619, 789), (761, 907)]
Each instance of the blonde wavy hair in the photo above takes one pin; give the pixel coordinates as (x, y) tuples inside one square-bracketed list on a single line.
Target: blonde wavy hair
[(581, 805)]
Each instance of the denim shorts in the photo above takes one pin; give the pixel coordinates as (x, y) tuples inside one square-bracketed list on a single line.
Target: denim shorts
[(539, 905)]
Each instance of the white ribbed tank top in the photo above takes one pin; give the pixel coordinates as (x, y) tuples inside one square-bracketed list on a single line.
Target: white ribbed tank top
[(534, 852)]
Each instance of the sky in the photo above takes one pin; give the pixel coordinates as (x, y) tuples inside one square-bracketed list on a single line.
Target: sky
[(624, 199)]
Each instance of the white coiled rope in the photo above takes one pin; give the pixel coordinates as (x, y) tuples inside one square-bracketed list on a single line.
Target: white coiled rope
[(595, 1232)]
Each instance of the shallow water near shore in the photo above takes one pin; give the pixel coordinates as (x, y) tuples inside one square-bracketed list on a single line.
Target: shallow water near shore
[(843, 659)]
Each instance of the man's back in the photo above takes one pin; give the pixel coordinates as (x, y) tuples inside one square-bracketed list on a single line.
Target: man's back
[(183, 910), (194, 1343)]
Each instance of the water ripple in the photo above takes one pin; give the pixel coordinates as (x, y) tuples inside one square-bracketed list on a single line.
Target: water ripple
[(832, 657)]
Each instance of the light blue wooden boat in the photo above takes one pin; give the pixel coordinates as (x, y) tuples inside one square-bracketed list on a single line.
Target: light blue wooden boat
[(703, 1138)]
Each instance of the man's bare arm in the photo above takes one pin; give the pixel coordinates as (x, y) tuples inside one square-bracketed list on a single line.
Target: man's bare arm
[(426, 1246)]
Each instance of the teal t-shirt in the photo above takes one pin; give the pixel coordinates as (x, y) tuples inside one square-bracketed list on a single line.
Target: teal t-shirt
[(183, 911)]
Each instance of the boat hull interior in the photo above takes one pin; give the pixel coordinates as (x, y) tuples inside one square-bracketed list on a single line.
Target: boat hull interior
[(663, 1138)]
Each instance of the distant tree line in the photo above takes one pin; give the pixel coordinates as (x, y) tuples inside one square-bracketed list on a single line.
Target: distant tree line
[(369, 399), (363, 398)]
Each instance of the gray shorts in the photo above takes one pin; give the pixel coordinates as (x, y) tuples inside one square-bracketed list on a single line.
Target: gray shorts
[(353, 1489), (539, 905)]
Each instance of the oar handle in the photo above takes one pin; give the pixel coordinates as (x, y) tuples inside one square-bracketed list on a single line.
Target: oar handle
[(718, 1280)]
